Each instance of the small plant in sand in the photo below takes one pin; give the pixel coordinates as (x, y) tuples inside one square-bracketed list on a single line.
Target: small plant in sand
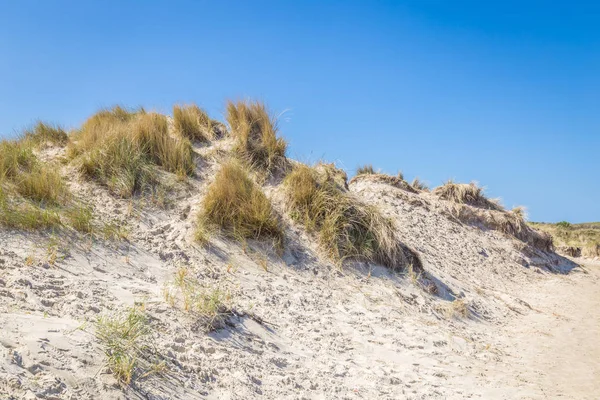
[(212, 305), (120, 148), (114, 230), (255, 133), (419, 185), (457, 309), (126, 337), (365, 169), (193, 123), (346, 228), (237, 206), (80, 218), (466, 193)]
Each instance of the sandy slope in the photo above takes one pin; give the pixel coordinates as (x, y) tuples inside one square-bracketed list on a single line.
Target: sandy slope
[(302, 328)]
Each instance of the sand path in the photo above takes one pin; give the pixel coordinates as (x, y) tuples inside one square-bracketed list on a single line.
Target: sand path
[(554, 351)]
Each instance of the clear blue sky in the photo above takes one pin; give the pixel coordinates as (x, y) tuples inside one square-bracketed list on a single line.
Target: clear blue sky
[(503, 92)]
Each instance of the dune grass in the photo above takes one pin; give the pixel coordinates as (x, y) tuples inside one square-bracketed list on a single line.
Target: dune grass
[(120, 148), (211, 304), (417, 184), (255, 133), (44, 133), (466, 193), (125, 337), (345, 227), (237, 206), (193, 123), (365, 169)]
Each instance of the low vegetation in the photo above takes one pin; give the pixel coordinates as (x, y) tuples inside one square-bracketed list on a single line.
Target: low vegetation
[(42, 134), (211, 305), (365, 170), (346, 228), (417, 184), (125, 337), (119, 148), (466, 193), (193, 123), (574, 239), (255, 133), (237, 206)]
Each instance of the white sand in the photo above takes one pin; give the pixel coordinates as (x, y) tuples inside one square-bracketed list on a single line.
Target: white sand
[(362, 333)]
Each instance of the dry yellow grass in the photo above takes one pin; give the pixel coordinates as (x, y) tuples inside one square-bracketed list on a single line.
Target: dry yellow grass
[(193, 123), (237, 205), (365, 169), (42, 134), (466, 193), (120, 148), (346, 228), (255, 132)]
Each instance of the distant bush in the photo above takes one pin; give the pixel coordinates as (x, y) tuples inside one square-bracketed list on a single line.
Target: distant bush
[(237, 205), (564, 224), (255, 132)]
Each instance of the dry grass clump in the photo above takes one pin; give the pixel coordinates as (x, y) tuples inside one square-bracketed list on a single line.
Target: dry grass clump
[(457, 309), (119, 148), (237, 205), (509, 222), (255, 132), (43, 134), (395, 181), (345, 227), (417, 184), (193, 123), (466, 193), (365, 169), (125, 337)]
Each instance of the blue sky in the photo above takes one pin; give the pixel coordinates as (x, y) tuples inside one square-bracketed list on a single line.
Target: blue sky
[(502, 92)]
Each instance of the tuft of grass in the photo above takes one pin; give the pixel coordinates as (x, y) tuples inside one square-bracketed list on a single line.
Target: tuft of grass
[(42, 184), (114, 231), (520, 212), (458, 309), (15, 156), (417, 184), (365, 169), (120, 148), (80, 218), (125, 337), (255, 132), (193, 123), (465, 193), (345, 227), (211, 304), (42, 134), (238, 206), (27, 217)]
